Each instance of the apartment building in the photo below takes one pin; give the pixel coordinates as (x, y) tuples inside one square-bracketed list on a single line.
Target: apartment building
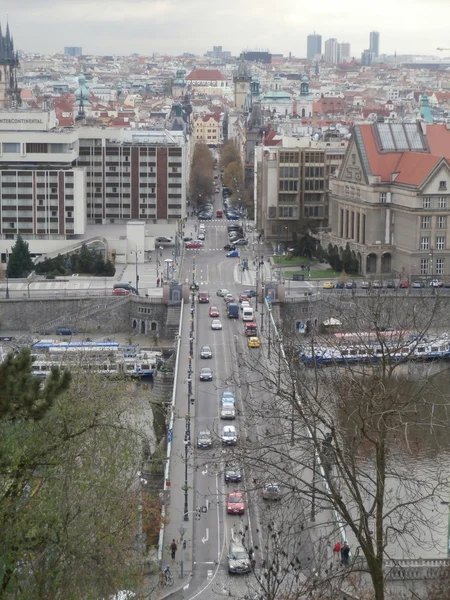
[(291, 185), (134, 175), (391, 200)]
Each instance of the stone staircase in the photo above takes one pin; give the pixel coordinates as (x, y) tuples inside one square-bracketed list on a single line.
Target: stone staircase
[(173, 321)]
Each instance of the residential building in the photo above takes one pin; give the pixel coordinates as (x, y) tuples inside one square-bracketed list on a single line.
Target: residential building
[(207, 81), (374, 43), (332, 51), (391, 200), (291, 185), (73, 50), (313, 46), (208, 129)]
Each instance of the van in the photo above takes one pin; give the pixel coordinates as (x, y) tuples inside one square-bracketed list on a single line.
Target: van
[(126, 286), (233, 310), (65, 331), (247, 313)]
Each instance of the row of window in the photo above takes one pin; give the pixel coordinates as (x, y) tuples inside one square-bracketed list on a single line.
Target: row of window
[(441, 222), (432, 267), (288, 211), (434, 202), (440, 243)]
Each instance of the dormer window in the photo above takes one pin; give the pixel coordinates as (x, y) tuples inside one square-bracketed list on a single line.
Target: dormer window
[(442, 185)]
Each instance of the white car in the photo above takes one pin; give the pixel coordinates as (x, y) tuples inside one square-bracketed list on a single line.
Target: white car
[(216, 324), (245, 304), (229, 435), (222, 292)]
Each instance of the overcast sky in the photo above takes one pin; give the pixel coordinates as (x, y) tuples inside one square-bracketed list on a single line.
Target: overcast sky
[(176, 26)]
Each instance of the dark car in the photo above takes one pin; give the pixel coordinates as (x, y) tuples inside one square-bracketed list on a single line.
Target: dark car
[(229, 247), (65, 331), (204, 439), (350, 285), (390, 285), (206, 374), (250, 293), (205, 352), (340, 285), (241, 242), (232, 473)]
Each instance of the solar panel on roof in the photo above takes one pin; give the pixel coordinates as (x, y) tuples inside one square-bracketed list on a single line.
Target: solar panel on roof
[(401, 143), (414, 139), (387, 141)]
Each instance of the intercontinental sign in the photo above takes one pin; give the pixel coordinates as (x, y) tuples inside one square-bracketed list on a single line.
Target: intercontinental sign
[(33, 120), (21, 121)]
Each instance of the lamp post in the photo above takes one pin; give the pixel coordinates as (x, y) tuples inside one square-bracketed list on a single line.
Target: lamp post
[(432, 261), (7, 276), (136, 252)]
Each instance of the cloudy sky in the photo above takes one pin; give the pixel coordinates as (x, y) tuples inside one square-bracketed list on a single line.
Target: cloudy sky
[(176, 26)]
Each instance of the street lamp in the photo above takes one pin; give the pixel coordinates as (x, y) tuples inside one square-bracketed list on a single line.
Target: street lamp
[(432, 262), (136, 252), (7, 276)]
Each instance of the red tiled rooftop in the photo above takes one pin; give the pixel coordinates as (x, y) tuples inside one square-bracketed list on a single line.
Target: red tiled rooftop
[(205, 75)]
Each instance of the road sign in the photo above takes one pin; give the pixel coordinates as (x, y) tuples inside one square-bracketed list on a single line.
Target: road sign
[(268, 299), (170, 435)]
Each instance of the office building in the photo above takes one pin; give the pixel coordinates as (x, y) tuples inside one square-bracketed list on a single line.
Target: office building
[(73, 50), (391, 200), (344, 52), (292, 185), (313, 46), (332, 51), (374, 44)]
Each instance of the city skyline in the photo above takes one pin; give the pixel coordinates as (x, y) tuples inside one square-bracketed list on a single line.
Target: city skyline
[(174, 26)]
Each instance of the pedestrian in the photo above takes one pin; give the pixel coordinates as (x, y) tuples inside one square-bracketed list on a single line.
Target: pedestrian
[(337, 550), (345, 554), (157, 282), (173, 549)]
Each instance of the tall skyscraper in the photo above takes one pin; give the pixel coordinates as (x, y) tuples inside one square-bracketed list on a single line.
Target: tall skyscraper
[(331, 51), (344, 52), (314, 46), (374, 45)]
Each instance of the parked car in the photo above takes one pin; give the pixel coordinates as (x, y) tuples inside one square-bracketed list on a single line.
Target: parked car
[(241, 242), (418, 284), (404, 283), (365, 285), (233, 254), (377, 285), (328, 285), (206, 374), (350, 285), (205, 352), (436, 283), (204, 439), (216, 324), (235, 503), (390, 285), (340, 285)]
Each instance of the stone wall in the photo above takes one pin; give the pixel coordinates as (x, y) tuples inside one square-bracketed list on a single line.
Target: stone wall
[(106, 315)]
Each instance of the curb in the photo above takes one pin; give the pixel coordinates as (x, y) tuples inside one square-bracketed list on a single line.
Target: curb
[(175, 590)]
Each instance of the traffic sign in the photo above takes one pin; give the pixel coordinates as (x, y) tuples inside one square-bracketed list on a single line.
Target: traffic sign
[(170, 435)]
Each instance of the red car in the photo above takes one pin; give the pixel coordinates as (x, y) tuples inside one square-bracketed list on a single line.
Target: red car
[(121, 292), (243, 297), (213, 311), (403, 284), (235, 503), (194, 244), (203, 297)]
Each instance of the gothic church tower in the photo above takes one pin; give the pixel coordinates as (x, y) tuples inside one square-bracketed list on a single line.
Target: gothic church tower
[(9, 61)]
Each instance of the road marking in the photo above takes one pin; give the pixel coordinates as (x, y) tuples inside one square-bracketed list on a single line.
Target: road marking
[(205, 472), (205, 539), (210, 574)]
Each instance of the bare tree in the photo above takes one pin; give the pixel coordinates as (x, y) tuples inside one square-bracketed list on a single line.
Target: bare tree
[(346, 443)]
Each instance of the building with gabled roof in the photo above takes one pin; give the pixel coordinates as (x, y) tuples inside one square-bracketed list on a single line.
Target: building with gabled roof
[(391, 200), (206, 81)]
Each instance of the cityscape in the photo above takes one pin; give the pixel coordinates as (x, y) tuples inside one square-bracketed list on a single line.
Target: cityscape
[(224, 332)]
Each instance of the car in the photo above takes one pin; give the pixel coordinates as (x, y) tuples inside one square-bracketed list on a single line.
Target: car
[(229, 298), (201, 227), (404, 284), (250, 293), (206, 374), (216, 324), (229, 435), (238, 557), (188, 238), (227, 409), (350, 285), (229, 247), (203, 216), (436, 283), (232, 216), (253, 342), (65, 331), (203, 297), (365, 285), (241, 242), (271, 491), (121, 292), (235, 503), (234, 227), (163, 239), (232, 473), (390, 285), (232, 254), (204, 439), (216, 177), (201, 236), (328, 285), (418, 284), (227, 395), (205, 352), (245, 304), (377, 285), (213, 311), (243, 297), (222, 292), (217, 190), (340, 285), (194, 244)]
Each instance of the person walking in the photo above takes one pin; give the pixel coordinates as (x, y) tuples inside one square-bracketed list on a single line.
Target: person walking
[(345, 554), (157, 282), (173, 549)]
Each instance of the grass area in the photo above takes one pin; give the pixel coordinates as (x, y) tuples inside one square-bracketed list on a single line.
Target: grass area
[(314, 274), (290, 261)]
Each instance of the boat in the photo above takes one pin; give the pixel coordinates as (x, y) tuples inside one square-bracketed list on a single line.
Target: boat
[(415, 348), (106, 358)]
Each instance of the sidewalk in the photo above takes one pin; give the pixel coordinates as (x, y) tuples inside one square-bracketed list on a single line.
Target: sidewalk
[(248, 277)]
